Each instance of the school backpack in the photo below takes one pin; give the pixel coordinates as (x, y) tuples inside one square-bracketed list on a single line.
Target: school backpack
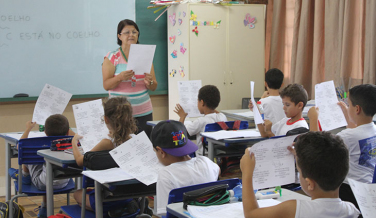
[(18, 210), (99, 160)]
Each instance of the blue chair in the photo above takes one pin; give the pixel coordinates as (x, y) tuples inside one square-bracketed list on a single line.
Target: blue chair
[(176, 195), (27, 154), (374, 175)]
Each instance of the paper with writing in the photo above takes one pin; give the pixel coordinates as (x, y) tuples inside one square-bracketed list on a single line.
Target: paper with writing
[(188, 93), (331, 115), (137, 158), (224, 134), (31, 135), (108, 176), (88, 116), (51, 100), (365, 195), (140, 58), (274, 163), (256, 113)]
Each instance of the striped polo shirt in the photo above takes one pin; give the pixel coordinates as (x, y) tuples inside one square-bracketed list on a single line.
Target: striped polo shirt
[(138, 96)]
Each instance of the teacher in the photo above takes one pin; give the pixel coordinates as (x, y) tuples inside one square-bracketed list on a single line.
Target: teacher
[(119, 81)]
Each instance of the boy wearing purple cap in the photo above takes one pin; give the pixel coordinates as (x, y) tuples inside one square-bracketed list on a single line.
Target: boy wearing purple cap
[(172, 146)]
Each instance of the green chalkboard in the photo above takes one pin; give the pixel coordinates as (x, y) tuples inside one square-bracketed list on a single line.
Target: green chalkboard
[(154, 32)]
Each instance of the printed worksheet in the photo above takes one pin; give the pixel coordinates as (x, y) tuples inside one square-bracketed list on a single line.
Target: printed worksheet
[(188, 93), (107, 176), (229, 134), (88, 116), (365, 195), (137, 158), (275, 164), (331, 115), (140, 58), (51, 100), (256, 113)]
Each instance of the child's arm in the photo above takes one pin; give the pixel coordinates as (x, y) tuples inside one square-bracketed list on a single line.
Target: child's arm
[(29, 126), (250, 105), (265, 94), (180, 111), (345, 110), (250, 205), (266, 129), (313, 116)]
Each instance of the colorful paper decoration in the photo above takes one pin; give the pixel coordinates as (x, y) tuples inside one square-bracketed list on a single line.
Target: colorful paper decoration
[(193, 16), (180, 21), (249, 21), (182, 49), (174, 54), (181, 71), (172, 39), (172, 19), (195, 31), (179, 13), (217, 25), (184, 13), (179, 32), (172, 73)]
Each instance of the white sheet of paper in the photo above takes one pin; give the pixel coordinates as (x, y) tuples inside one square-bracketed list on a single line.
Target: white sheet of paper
[(245, 114), (88, 116), (365, 195), (188, 93), (275, 164), (108, 176), (256, 113), (31, 135), (224, 134), (141, 58), (225, 210), (137, 158), (51, 100), (331, 115)]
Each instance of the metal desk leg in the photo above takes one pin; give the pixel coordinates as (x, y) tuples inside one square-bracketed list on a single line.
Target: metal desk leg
[(98, 200), (7, 166), (211, 150), (49, 189)]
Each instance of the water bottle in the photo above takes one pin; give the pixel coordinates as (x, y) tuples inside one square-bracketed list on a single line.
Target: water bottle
[(261, 109), (237, 192), (41, 128)]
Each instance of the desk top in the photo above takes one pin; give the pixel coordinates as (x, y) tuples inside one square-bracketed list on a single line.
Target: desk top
[(178, 210), (14, 137), (57, 156)]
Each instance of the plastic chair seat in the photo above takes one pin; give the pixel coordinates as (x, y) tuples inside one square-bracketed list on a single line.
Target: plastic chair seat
[(31, 190)]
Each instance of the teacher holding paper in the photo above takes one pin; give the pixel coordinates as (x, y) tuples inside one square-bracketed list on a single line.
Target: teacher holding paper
[(122, 82)]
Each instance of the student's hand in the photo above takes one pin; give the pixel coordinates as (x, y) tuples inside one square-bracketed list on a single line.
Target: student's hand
[(265, 94), (247, 163), (250, 105), (180, 111), (313, 113), (30, 125), (344, 107), (126, 75), (147, 80), (75, 139), (292, 149), (268, 125)]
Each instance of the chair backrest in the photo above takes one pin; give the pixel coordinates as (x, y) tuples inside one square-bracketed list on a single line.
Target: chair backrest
[(176, 195), (245, 102), (27, 148), (374, 175), (212, 127)]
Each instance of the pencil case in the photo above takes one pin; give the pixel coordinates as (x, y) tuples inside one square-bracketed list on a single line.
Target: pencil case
[(212, 195), (61, 144)]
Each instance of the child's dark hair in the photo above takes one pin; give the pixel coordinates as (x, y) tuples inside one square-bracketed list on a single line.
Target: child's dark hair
[(210, 95), (364, 96), (118, 111), (296, 93), (274, 78), (324, 158), (56, 125), (121, 26)]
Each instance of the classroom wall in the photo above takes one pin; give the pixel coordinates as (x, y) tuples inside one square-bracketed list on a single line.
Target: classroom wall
[(13, 117)]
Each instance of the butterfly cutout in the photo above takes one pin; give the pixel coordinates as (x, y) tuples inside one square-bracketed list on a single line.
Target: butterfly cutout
[(181, 71), (179, 32), (172, 39), (174, 54), (179, 14), (172, 19), (249, 21), (182, 49), (172, 73), (184, 13), (180, 21)]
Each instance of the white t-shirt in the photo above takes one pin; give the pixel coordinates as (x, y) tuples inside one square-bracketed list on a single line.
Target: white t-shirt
[(192, 172), (325, 207), (361, 142), (273, 108), (199, 124), (283, 126)]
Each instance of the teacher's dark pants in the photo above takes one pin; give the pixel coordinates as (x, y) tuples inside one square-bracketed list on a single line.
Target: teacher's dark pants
[(142, 126)]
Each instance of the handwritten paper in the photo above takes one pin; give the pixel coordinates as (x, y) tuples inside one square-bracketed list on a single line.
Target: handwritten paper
[(188, 93), (274, 163), (331, 115), (107, 176), (224, 134), (256, 113), (31, 135), (51, 100), (365, 195), (137, 158), (141, 58), (88, 116)]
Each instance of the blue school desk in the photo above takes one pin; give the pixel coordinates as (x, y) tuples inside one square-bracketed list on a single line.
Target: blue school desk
[(177, 209)]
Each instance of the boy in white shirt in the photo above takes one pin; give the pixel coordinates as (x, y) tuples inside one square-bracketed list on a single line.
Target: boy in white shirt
[(294, 98), (208, 100), (359, 137), (172, 146), (271, 102), (323, 162)]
